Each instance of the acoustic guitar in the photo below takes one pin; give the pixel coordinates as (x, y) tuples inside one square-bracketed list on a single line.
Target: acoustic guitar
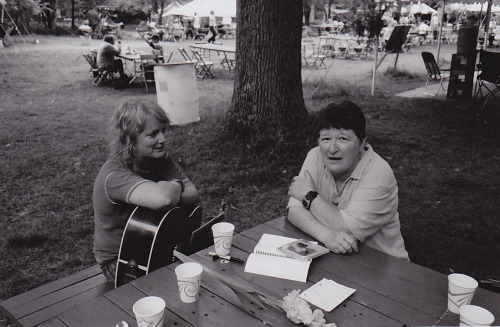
[(150, 237)]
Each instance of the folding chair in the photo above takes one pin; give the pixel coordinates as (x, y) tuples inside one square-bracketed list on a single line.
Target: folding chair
[(148, 62), (359, 52), (434, 72), (93, 66), (185, 55), (319, 56), (342, 51), (228, 62), (99, 75), (202, 66), (489, 78)]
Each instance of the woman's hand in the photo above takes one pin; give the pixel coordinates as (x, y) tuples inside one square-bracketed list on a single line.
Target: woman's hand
[(341, 242), (301, 186)]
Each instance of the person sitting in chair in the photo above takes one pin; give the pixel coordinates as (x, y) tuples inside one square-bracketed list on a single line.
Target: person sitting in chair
[(153, 42), (345, 192), (138, 172), (106, 57)]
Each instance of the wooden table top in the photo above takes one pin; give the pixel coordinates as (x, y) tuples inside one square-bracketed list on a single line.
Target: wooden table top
[(214, 47), (389, 291)]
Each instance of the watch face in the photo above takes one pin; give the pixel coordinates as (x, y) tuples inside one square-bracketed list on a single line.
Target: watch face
[(305, 203)]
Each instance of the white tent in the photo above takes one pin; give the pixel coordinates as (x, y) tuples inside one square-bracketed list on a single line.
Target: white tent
[(421, 8), (172, 6), (202, 8)]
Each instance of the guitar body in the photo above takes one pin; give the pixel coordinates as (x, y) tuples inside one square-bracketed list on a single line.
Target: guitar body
[(149, 239)]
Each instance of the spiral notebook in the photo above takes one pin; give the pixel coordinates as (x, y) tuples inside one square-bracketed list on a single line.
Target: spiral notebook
[(268, 260)]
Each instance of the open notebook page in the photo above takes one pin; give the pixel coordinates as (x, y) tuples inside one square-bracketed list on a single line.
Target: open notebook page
[(267, 260), (280, 267)]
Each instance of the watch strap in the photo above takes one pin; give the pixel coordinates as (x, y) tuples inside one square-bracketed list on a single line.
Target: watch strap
[(308, 199)]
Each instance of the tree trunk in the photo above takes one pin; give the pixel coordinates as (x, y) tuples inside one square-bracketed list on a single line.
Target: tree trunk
[(307, 11), (162, 8), (268, 100)]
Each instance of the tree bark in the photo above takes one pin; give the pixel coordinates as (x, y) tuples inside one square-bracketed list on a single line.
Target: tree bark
[(268, 100)]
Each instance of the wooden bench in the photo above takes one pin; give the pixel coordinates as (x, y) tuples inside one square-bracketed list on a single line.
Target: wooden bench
[(47, 301)]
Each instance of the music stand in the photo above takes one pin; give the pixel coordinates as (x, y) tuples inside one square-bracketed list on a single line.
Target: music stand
[(396, 41)]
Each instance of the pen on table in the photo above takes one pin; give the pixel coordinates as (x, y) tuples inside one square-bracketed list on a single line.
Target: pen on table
[(226, 257)]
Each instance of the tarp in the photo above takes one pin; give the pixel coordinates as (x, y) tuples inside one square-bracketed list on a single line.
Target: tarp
[(202, 8)]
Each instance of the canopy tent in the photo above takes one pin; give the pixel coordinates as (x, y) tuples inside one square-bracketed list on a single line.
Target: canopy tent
[(171, 6), (202, 8), (421, 8)]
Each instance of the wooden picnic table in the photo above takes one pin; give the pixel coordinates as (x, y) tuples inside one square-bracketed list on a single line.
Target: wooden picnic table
[(227, 62), (214, 47), (389, 291)]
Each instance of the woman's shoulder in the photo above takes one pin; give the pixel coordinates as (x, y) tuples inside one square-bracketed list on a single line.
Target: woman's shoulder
[(314, 154), (378, 166)]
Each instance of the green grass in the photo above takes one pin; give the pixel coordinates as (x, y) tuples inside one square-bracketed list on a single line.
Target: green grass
[(53, 142)]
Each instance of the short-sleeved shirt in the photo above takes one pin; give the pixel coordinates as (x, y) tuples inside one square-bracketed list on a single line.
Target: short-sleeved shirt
[(211, 21), (106, 56), (111, 199), (93, 17), (196, 22), (367, 200)]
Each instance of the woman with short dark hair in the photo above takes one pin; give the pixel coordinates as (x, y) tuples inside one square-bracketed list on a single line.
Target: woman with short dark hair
[(345, 192)]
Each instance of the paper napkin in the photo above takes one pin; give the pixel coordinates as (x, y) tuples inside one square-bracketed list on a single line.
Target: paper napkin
[(326, 294)]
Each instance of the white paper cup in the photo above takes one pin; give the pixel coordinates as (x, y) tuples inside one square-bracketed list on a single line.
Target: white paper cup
[(472, 315), (461, 289), (149, 311), (188, 279), (223, 237)]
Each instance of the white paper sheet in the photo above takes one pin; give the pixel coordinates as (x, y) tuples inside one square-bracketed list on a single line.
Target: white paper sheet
[(326, 294)]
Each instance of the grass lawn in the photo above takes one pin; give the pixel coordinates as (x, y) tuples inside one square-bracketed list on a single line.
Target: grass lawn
[(53, 143)]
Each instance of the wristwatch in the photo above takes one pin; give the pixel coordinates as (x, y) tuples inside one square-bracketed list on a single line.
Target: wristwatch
[(308, 199)]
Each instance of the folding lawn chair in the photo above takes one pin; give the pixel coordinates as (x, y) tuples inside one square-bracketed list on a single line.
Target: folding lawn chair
[(148, 62), (203, 67), (185, 55), (434, 72), (93, 66), (319, 56), (489, 78)]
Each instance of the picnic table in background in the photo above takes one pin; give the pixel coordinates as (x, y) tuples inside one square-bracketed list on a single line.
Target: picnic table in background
[(389, 291), (227, 52)]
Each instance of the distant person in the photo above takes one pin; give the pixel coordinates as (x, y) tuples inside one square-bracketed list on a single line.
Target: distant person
[(212, 24), (106, 57), (345, 192), (423, 30), (178, 30), (93, 18), (153, 42), (153, 29), (139, 171), (196, 26)]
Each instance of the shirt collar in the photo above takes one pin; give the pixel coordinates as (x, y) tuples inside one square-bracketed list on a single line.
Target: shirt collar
[(365, 159)]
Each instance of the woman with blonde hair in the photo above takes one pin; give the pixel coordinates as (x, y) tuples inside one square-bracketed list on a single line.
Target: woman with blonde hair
[(138, 172)]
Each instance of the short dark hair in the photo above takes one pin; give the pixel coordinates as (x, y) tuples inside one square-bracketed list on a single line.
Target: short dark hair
[(109, 39), (346, 115)]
